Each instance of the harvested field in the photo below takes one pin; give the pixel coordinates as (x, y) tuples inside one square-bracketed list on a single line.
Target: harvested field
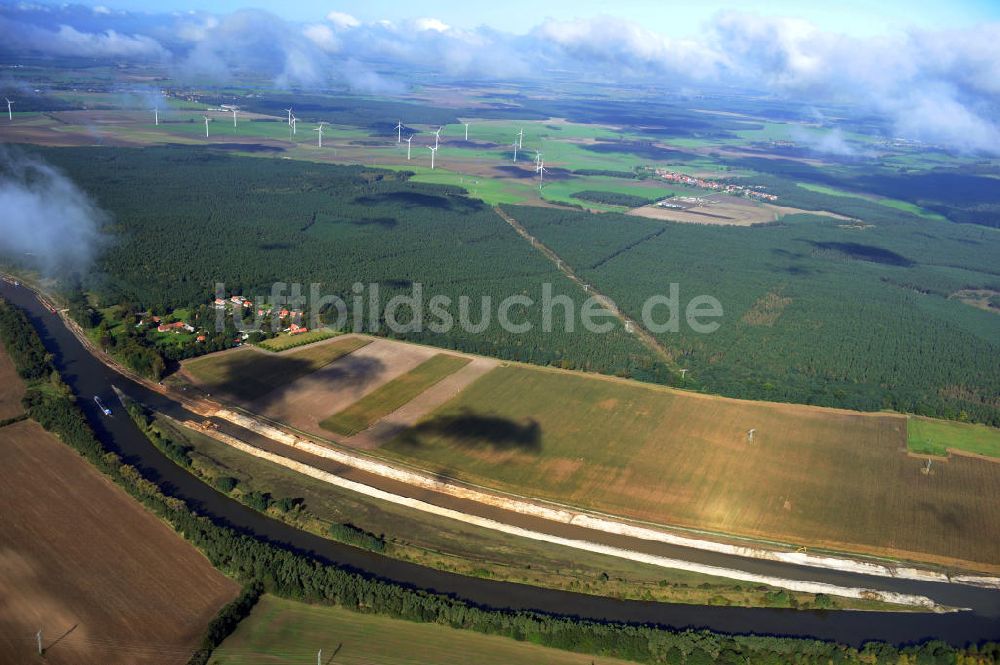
[(308, 398), (104, 580), (280, 630), (392, 395), (246, 374), (725, 211), (817, 477), (11, 387)]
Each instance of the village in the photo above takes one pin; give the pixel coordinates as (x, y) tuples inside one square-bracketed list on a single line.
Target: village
[(756, 192), (289, 320)]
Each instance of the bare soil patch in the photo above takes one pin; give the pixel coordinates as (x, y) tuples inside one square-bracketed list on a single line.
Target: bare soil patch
[(722, 210), (303, 403)]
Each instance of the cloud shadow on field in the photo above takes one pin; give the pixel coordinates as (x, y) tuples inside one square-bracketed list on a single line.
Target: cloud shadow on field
[(474, 430)]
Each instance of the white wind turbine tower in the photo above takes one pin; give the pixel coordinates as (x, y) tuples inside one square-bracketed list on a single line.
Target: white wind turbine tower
[(156, 116), (433, 150), (409, 140), (437, 137), (319, 138), (514, 145), (289, 111), (234, 110), (399, 131), (10, 114), (541, 173), (466, 130), (207, 120), (294, 122), (520, 138)]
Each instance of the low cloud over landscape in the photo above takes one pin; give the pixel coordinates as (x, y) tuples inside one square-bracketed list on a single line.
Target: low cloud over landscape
[(48, 222), (941, 86)]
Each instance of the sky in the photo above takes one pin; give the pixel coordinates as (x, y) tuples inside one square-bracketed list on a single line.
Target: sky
[(930, 70), (677, 19)]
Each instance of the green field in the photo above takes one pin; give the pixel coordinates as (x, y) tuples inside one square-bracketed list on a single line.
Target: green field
[(684, 459), (896, 204), (246, 375), (285, 631), (390, 396), (936, 437), (284, 342)]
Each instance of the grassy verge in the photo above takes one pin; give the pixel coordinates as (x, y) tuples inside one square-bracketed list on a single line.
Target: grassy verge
[(392, 395), (935, 437), (280, 631)]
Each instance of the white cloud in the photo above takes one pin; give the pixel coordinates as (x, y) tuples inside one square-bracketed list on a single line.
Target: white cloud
[(432, 24), (342, 20)]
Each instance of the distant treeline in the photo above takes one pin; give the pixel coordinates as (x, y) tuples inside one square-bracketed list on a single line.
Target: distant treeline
[(613, 198), (263, 566)]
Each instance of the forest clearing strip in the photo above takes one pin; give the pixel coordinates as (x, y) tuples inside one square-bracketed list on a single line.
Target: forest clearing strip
[(598, 522), (598, 548), (631, 325)]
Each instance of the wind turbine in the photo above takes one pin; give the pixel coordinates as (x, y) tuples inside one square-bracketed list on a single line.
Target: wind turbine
[(207, 120), (399, 131), (538, 159), (294, 121), (234, 110), (437, 137), (750, 433), (541, 172), (320, 136), (520, 138), (433, 150), (10, 114), (409, 140), (466, 130), (514, 145), (289, 111), (156, 116)]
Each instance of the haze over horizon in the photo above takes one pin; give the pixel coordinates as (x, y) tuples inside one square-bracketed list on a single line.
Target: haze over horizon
[(931, 72)]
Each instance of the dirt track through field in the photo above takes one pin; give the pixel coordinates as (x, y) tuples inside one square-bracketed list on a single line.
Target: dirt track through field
[(410, 413), (104, 580)]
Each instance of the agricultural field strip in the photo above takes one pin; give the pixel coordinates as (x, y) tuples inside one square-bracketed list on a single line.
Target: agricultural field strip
[(593, 521), (641, 333), (598, 548)]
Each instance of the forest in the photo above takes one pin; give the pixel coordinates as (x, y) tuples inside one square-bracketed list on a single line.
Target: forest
[(250, 222), (816, 310), (264, 566), (613, 198)]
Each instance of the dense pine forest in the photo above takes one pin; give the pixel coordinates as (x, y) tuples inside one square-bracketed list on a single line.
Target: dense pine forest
[(852, 313), (250, 222), (817, 310)]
